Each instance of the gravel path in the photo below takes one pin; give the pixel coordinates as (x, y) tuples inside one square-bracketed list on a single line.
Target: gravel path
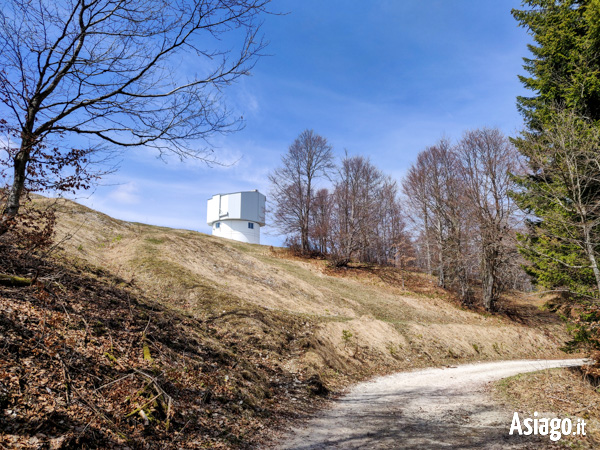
[(430, 408)]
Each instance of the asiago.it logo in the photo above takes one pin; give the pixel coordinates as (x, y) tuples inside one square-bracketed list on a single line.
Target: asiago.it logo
[(544, 426)]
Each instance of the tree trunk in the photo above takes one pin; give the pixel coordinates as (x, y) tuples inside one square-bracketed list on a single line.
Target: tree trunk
[(441, 274), (13, 201), (591, 256), (306, 225), (488, 279), (304, 240), (465, 288), (427, 246)]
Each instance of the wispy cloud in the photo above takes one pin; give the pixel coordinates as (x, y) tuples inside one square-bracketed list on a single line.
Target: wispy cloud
[(127, 194)]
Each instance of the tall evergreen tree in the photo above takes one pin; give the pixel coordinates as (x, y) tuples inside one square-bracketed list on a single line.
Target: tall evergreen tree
[(562, 190), (564, 69)]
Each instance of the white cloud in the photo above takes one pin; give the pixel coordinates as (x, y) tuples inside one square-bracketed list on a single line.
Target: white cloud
[(127, 193), (248, 102)]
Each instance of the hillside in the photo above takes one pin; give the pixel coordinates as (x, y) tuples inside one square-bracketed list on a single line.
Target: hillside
[(148, 335)]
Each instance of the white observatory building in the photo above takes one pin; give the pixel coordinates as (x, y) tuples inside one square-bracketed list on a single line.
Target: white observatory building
[(237, 216)]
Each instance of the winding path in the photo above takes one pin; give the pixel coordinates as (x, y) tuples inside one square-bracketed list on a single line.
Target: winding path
[(432, 408)]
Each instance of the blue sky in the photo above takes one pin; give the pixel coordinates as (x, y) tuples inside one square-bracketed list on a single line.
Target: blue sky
[(383, 78)]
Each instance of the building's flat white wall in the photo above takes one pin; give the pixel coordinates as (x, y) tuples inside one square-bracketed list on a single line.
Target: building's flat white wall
[(237, 230), (224, 206), (234, 207), (212, 209), (253, 207)]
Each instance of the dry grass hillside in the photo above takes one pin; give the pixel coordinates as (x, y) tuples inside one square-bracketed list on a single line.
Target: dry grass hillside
[(146, 336), (350, 322)]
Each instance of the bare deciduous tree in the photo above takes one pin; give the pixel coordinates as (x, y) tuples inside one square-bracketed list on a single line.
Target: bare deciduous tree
[(434, 191), (393, 245), (366, 216), (414, 187), (107, 71), (292, 185), (487, 161), (354, 208), (463, 215), (320, 230)]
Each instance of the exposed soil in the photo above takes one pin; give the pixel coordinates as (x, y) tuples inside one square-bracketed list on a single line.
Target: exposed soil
[(432, 408)]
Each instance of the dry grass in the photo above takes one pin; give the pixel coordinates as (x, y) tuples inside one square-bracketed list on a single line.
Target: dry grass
[(555, 393), (264, 318), (397, 320)]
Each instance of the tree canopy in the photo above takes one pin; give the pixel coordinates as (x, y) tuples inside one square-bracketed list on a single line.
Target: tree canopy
[(564, 69)]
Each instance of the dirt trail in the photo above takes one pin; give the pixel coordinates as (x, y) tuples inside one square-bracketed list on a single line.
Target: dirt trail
[(429, 408)]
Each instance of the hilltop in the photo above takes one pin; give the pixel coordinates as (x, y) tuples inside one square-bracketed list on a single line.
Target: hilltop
[(142, 335)]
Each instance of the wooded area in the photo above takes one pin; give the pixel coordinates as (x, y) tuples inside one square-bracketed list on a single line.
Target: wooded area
[(455, 217), (488, 213), (560, 144)]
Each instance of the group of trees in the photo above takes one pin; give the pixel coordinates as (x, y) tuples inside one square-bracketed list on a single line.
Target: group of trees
[(474, 204), (463, 220), (365, 218), (561, 145), (463, 216), (357, 217)]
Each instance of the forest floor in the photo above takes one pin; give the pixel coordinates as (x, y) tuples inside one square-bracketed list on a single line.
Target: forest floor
[(142, 336)]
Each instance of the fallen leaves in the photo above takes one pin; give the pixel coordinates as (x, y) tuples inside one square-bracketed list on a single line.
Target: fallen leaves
[(85, 363)]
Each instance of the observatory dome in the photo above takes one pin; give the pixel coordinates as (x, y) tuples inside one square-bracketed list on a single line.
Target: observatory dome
[(237, 216)]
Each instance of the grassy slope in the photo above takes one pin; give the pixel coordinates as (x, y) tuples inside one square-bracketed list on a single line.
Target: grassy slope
[(262, 328), (216, 278)]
